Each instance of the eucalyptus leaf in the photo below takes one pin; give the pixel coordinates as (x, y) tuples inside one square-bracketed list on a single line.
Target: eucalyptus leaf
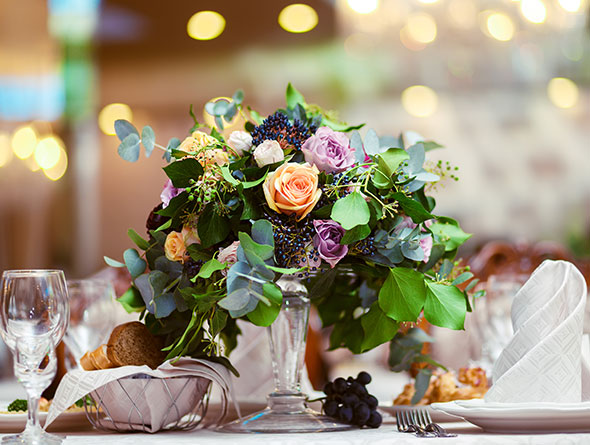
[(124, 128), (129, 148), (148, 139), (262, 232), (113, 263), (135, 264), (371, 143), (421, 385), (356, 142)]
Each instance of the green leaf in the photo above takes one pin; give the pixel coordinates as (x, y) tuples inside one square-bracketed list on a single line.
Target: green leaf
[(294, 97), (210, 267), (284, 270), (113, 263), (124, 128), (228, 176), (212, 227), (431, 145), (355, 234), (138, 240), (129, 148), (445, 306), (262, 232), (131, 300), (381, 181), (135, 264), (449, 234), (164, 226), (390, 160), (378, 328), (218, 322), (351, 211), (263, 251), (403, 294), (413, 208), (462, 278), (148, 139), (151, 286), (250, 184), (238, 96), (342, 127), (422, 383), (265, 315), (181, 172)]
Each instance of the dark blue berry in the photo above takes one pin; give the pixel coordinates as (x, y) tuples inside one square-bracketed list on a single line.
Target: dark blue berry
[(364, 378), (345, 414)]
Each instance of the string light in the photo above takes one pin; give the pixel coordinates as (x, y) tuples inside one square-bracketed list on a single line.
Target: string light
[(47, 152), (5, 151), (533, 10), (570, 5), (24, 140), (298, 18), (421, 27), (58, 170), (205, 25), (500, 26)]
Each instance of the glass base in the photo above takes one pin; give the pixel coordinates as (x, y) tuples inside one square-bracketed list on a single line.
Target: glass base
[(32, 438), (286, 413)]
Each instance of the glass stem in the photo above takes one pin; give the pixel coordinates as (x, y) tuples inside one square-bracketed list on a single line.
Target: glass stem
[(33, 412)]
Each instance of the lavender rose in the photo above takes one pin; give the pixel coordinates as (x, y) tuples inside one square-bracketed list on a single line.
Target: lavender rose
[(168, 193), (329, 150), (327, 241)]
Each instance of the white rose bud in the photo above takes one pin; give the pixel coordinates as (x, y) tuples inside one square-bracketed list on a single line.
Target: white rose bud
[(240, 141), (268, 153)]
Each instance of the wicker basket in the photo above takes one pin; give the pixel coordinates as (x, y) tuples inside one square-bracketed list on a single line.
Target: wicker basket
[(142, 403)]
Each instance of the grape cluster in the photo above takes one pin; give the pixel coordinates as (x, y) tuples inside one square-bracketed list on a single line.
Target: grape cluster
[(277, 127), (349, 401)]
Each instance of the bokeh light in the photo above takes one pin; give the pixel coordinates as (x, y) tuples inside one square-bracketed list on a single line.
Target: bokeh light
[(110, 113), (24, 140), (428, 1), (298, 18), (47, 152), (500, 26), (419, 100), (421, 27), (363, 6), (533, 10), (58, 170), (205, 25), (563, 92), (570, 5), (5, 151), (463, 13)]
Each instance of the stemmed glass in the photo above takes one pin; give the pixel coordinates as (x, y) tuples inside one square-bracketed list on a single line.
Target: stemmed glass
[(34, 314)]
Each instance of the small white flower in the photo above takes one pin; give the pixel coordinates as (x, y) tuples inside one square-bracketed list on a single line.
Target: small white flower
[(268, 152), (240, 141)]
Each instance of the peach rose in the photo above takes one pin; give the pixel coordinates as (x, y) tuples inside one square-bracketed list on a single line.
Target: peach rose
[(197, 141), (293, 189), (174, 247)]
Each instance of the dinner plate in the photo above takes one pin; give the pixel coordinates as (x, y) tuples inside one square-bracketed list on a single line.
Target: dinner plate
[(15, 422), (437, 416), (521, 417)]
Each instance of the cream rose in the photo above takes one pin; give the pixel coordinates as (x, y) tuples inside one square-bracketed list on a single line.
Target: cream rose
[(240, 141), (268, 152), (293, 189), (229, 255), (197, 141), (174, 247)]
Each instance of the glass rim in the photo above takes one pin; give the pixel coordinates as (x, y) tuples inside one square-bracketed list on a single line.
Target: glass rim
[(31, 272)]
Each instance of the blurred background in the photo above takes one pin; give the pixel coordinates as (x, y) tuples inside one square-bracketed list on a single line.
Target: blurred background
[(502, 84)]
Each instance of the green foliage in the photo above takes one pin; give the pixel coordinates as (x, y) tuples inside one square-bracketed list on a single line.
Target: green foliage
[(131, 300), (135, 264), (182, 172), (445, 306), (378, 328), (351, 211), (403, 294)]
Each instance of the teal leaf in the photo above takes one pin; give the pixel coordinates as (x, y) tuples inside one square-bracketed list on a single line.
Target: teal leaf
[(413, 208), (148, 139), (138, 240), (113, 263), (431, 145), (181, 172), (378, 328), (357, 143), (212, 227), (403, 294), (263, 251), (445, 306), (210, 267), (151, 287), (294, 97), (135, 264), (422, 384), (124, 128), (371, 143), (462, 278), (351, 211), (355, 234), (129, 148), (262, 232), (238, 96), (220, 107), (131, 300)]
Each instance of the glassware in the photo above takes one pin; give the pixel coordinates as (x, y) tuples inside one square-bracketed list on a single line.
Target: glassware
[(34, 315), (287, 410), (91, 316)]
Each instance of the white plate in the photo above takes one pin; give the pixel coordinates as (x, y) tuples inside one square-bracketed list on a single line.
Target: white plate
[(437, 416), (521, 417), (15, 422)]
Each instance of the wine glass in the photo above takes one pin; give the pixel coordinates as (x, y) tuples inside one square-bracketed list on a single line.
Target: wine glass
[(92, 315), (34, 314)]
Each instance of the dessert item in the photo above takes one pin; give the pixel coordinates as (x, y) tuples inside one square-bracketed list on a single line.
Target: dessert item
[(471, 383)]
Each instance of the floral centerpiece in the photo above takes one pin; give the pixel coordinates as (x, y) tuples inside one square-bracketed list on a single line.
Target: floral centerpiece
[(294, 193)]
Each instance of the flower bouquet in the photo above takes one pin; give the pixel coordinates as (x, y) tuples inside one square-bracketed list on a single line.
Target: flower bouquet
[(297, 194)]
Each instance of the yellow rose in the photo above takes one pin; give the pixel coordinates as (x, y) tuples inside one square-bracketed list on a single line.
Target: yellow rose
[(174, 247), (197, 141), (293, 189)]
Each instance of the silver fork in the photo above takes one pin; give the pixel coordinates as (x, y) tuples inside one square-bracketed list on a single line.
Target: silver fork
[(406, 424), (421, 418)]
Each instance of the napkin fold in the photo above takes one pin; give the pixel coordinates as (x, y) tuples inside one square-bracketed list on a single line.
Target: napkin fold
[(78, 383), (543, 361)]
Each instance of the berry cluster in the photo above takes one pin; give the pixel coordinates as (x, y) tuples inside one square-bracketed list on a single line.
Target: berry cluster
[(365, 246), (292, 240), (192, 267), (349, 401), (277, 127)]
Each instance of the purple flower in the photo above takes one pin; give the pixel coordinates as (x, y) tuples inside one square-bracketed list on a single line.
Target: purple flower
[(327, 241), (168, 193), (329, 150), (426, 245)]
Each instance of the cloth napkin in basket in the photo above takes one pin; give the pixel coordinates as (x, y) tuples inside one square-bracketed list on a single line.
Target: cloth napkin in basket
[(543, 361)]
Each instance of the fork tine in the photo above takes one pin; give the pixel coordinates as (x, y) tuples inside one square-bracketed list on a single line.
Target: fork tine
[(424, 417), (398, 421), (409, 415), (428, 417)]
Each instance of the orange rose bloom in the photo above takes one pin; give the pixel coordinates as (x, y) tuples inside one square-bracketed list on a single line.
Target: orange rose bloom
[(293, 189), (174, 247)]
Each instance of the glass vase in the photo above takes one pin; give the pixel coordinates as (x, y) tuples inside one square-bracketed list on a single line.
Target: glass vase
[(287, 410)]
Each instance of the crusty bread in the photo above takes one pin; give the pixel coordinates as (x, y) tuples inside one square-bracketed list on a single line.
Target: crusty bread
[(87, 363), (100, 359), (133, 344)]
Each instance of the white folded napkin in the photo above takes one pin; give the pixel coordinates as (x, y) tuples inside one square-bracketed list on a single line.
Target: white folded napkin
[(543, 361)]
